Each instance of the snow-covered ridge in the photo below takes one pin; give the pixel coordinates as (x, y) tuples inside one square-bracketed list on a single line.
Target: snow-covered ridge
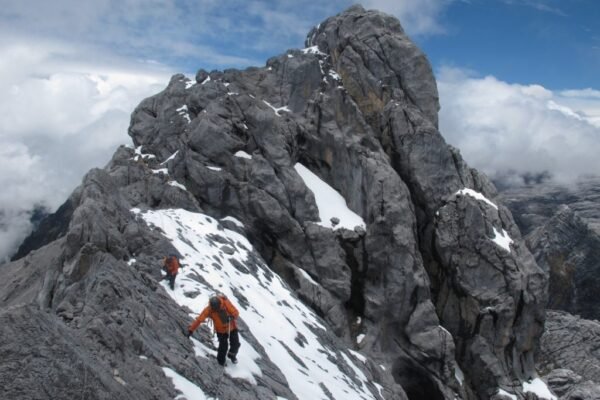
[(274, 316), (330, 203)]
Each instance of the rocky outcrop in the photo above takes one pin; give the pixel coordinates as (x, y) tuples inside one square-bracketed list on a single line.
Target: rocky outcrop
[(437, 289), (568, 356), (562, 234)]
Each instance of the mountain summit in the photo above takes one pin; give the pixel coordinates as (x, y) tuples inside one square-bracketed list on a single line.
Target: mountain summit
[(367, 259)]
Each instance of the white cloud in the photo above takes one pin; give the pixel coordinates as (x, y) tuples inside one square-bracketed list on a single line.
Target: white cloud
[(59, 117), (502, 127)]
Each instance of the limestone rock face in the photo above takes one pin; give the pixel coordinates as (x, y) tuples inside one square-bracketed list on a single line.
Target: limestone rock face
[(562, 232), (437, 289), (568, 356)]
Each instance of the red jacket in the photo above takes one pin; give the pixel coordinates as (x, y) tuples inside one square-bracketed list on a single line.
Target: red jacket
[(226, 309), (171, 264)]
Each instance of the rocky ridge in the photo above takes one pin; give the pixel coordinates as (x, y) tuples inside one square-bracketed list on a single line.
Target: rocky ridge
[(439, 285), (561, 227)]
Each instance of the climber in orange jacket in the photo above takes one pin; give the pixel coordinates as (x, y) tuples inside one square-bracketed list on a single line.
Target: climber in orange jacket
[(224, 314), (171, 267)]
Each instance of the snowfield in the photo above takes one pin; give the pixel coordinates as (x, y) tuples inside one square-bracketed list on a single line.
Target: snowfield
[(218, 259)]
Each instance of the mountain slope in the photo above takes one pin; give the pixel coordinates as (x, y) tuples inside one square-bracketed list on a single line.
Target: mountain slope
[(436, 290)]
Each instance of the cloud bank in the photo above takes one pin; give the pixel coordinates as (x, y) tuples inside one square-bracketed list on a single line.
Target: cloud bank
[(511, 129), (58, 119)]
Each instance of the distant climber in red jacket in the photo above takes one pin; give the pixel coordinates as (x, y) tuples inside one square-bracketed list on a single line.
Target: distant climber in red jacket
[(171, 267), (224, 314)]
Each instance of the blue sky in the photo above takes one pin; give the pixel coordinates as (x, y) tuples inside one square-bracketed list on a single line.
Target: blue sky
[(518, 82)]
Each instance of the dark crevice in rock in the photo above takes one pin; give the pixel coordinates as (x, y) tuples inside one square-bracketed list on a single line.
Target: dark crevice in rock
[(416, 382), (356, 303)]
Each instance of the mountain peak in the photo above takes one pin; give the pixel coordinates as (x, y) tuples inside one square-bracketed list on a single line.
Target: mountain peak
[(317, 186)]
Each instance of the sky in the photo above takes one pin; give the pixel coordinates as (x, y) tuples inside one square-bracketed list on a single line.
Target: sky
[(518, 82)]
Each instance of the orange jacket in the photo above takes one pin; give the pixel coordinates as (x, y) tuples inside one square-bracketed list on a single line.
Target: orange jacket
[(171, 263), (220, 326)]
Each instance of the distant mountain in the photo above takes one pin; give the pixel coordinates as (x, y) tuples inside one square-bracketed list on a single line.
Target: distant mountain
[(562, 227), (367, 259)]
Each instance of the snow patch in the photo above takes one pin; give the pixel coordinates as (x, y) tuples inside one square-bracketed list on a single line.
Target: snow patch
[(313, 50), (243, 154), (183, 111), (330, 203), (131, 261), (171, 157), (160, 171), (206, 80), (502, 239), (177, 185), (189, 83), (505, 393), (538, 387), (356, 354), (277, 110), (290, 56), (139, 154), (307, 276), (477, 196), (360, 338), (234, 220), (188, 389), (335, 75), (213, 168), (143, 358)]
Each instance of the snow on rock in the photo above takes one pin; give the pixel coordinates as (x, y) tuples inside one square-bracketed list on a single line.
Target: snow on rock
[(234, 220), (161, 171), (188, 390), (330, 203), (502, 239), (171, 157), (539, 388), (313, 50), (214, 168), (505, 393), (459, 375), (177, 185), (206, 80), (335, 75), (243, 154), (277, 110), (131, 261), (183, 111), (476, 195), (139, 154), (356, 354), (286, 329), (290, 56), (360, 338), (308, 277)]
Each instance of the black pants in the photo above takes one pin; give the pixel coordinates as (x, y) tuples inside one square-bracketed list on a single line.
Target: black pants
[(171, 279), (234, 345)]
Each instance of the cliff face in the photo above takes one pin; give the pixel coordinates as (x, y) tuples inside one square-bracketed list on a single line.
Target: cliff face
[(562, 232), (431, 281)]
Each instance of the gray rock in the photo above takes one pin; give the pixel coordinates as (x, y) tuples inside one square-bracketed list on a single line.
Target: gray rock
[(432, 291)]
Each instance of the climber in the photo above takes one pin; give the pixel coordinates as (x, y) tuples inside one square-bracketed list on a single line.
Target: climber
[(224, 314), (171, 266)]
